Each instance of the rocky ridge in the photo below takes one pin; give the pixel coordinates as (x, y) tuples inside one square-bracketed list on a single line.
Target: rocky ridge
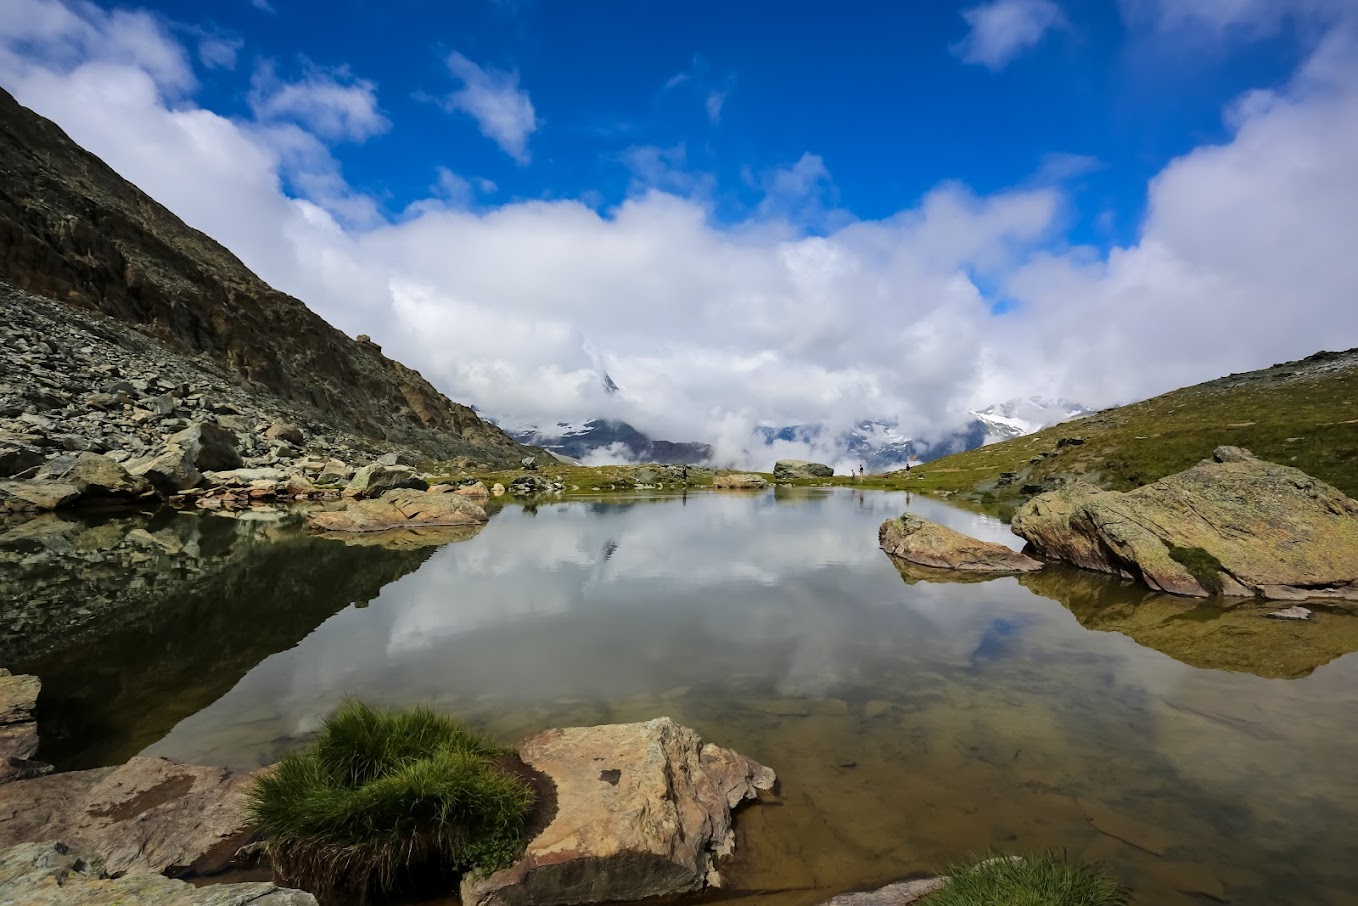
[(206, 331)]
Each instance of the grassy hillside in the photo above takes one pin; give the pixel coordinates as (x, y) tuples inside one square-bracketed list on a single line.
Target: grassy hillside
[(1302, 414)]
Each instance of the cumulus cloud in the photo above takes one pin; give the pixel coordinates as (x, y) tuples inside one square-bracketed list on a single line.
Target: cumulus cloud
[(494, 99), (713, 328), (1248, 18), (332, 104), (1003, 29), (219, 51)]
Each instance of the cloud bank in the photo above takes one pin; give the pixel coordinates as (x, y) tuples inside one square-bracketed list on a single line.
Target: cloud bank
[(799, 313)]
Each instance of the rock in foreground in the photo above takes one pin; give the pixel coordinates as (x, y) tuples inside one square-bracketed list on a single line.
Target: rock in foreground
[(788, 469), (1233, 525), (54, 874), (400, 510), (149, 814), (739, 482), (643, 810), (926, 543)]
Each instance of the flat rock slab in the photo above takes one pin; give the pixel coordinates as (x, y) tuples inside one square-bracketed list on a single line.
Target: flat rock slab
[(919, 541), (899, 894), (643, 810), (149, 814), (400, 510), (18, 731), (1277, 532), (54, 874), (739, 482)]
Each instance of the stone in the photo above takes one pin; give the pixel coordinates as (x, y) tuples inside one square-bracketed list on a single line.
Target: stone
[(643, 810), (17, 458), (1277, 532), (530, 463), (396, 459), (739, 482), (378, 478), (497, 489), (18, 730), (529, 486), (926, 543), (477, 491), (287, 432), (169, 471), (334, 472), (98, 476), (149, 814), (209, 446), (243, 477), (160, 405), (788, 469), (901, 893), (29, 495), (400, 509), (55, 874), (1295, 612)]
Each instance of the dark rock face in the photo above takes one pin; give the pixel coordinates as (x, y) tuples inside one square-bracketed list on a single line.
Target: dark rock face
[(73, 230), (1233, 525)]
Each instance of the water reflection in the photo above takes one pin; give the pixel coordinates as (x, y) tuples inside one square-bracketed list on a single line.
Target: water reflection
[(910, 723)]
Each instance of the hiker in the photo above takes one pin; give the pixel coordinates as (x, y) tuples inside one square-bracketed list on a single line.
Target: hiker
[(860, 470)]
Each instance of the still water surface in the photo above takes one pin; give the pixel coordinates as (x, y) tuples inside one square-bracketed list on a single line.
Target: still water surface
[(910, 722)]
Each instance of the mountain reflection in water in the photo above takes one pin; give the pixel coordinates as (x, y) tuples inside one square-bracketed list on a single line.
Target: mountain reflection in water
[(910, 721)]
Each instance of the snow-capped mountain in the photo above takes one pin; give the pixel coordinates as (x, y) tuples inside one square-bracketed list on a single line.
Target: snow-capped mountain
[(602, 442), (1018, 417)]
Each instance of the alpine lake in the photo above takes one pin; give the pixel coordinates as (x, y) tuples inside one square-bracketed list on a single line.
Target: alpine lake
[(1204, 755)]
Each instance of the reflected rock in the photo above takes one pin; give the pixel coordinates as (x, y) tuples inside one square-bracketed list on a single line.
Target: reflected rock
[(794, 494), (87, 599), (1239, 638), (1233, 525), (919, 541), (407, 538)]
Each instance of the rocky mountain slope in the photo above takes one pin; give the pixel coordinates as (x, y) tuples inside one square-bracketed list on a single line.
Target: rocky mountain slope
[(1302, 414), (73, 230)]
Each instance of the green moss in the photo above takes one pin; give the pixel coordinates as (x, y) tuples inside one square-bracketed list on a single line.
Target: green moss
[(1044, 879), (380, 797), (1201, 565)]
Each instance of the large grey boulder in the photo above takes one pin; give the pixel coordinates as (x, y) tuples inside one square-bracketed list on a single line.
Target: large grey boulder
[(643, 810), (55, 874), (737, 481), (97, 477), (149, 814), (209, 446), (18, 730), (378, 478), (1234, 525), (926, 543), (788, 469)]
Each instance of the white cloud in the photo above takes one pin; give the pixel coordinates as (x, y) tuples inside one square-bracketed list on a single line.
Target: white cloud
[(332, 104), (219, 52), (1220, 18), (1003, 29), (494, 99), (1243, 260)]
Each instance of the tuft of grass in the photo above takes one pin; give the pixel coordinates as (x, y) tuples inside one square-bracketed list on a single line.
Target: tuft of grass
[(1043, 879), (381, 797), (1201, 565)]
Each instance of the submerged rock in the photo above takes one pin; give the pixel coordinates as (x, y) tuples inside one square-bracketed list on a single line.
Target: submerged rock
[(1233, 525), (898, 894), (55, 874), (926, 543), (643, 810), (400, 509), (149, 814), (18, 731), (788, 469), (739, 482)]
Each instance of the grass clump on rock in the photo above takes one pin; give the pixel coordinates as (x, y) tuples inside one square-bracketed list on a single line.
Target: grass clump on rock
[(1044, 879), (1201, 565), (380, 798)]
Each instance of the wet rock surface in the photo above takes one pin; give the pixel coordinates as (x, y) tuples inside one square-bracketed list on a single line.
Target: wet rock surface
[(919, 541), (148, 815), (55, 874), (18, 730), (643, 810), (1252, 527)]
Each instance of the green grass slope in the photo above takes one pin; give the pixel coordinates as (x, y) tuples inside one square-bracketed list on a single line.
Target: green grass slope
[(1302, 414)]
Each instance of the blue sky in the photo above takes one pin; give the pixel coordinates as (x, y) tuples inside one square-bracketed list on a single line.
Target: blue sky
[(750, 213), (881, 93)]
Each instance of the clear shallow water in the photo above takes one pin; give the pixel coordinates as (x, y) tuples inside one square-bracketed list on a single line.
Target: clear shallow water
[(910, 722)]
